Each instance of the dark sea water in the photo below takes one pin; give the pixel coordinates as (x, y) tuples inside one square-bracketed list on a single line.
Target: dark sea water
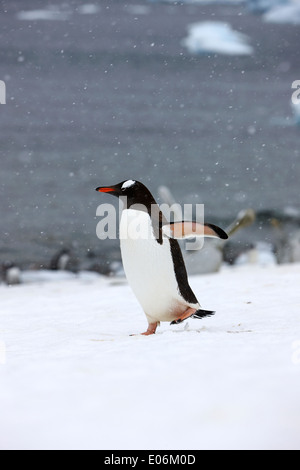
[(99, 98)]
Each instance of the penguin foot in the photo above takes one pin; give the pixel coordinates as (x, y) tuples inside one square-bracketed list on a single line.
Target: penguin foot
[(187, 314), (150, 331), (193, 313)]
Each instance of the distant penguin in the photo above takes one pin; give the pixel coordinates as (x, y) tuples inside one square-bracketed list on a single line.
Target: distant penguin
[(11, 273), (64, 260), (60, 260), (152, 258)]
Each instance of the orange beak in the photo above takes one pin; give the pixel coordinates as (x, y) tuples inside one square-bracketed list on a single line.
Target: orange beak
[(104, 190)]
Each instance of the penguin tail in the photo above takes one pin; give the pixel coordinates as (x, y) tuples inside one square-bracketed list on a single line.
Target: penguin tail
[(202, 313)]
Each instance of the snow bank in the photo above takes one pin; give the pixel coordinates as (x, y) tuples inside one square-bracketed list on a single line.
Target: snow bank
[(73, 378), (216, 37)]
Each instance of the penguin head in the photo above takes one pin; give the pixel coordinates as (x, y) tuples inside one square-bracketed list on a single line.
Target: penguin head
[(135, 192)]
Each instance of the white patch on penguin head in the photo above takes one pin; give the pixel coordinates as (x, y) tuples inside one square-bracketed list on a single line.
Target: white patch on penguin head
[(128, 184)]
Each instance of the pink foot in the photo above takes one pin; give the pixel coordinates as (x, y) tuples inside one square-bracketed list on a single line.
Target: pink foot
[(151, 329), (188, 313)]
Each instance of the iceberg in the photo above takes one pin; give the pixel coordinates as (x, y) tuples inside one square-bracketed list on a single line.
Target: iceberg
[(284, 14), (48, 14), (261, 6), (204, 2), (88, 9), (215, 37)]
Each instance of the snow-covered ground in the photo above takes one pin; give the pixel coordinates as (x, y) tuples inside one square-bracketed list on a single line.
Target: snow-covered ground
[(73, 378)]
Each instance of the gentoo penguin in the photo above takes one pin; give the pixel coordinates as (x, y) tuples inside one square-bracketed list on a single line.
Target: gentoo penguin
[(152, 258), (60, 260)]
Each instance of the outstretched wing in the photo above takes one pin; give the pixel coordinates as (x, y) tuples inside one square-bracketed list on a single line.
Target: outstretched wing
[(184, 229)]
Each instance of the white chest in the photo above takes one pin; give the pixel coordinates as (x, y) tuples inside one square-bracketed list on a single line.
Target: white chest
[(149, 267)]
